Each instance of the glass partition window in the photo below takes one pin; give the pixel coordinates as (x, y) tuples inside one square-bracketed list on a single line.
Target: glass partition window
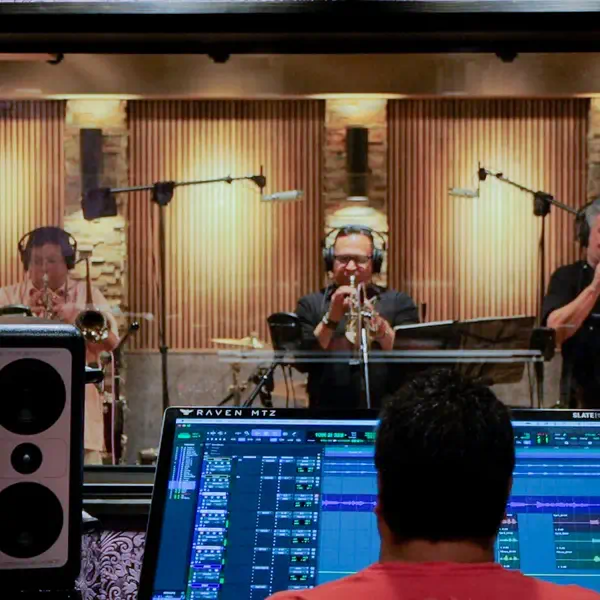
[(303, 230)]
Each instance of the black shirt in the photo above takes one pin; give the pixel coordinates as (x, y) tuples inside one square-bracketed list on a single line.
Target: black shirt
[(580, 379), (338, 384)]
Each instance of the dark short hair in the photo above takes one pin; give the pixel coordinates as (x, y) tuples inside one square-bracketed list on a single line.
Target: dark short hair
[(445, 455), (348, 230), (49, 235)]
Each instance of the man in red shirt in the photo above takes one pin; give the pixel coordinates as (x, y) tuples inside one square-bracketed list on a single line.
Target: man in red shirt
[(444, 456)]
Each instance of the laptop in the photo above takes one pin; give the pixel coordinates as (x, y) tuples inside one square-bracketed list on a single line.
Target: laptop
[(248, 502)]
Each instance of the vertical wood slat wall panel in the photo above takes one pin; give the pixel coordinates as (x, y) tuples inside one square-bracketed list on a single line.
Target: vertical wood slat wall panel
[(32, 174), (478, 257), (232, 259)]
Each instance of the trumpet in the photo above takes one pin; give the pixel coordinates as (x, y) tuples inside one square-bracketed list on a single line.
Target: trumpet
[(47, 297), (91, 322), (357, 316)]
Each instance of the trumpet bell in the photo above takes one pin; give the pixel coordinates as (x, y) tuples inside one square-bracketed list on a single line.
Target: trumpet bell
[(93, 325)]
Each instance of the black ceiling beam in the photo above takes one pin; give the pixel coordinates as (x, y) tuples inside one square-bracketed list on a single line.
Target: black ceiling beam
[(366, 26)]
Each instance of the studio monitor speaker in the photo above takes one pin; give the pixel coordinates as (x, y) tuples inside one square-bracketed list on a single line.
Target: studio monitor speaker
[(42, 379)]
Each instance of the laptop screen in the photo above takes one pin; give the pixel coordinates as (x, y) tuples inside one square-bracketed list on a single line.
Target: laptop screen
[(245, 506)]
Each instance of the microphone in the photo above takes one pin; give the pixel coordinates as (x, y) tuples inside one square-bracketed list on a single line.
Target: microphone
[(259, 180), (288, 196), (463, 192)]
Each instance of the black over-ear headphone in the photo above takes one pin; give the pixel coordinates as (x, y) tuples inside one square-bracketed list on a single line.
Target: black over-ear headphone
[(378, 254), (48, 235), (582, 229)]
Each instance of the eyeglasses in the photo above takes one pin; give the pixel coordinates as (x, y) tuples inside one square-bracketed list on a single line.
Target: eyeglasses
[(359, 259)]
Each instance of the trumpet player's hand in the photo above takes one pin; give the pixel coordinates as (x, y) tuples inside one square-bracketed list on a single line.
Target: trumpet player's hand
[(384, 332), (340, 302), (66, 311), (36, 303), (378, 323)]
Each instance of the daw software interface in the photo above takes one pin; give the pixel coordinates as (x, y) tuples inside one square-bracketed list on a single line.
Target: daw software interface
[(256, 507)]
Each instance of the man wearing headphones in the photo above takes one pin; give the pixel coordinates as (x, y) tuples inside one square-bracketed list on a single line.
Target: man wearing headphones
[(572, 307), (51, 252), (338, 384)]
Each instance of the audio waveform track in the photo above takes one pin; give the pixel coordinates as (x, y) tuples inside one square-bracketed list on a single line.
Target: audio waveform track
[(577, 541), (516, 504), (549, 504), (508, 552), (348, 502)]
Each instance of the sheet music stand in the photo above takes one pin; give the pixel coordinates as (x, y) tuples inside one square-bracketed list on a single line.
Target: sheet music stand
[(438, 335), (495, 333), (490, 350)]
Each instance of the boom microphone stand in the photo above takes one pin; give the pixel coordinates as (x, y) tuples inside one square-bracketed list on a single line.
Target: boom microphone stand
[(361, 352), (162, 194), (364, 361), (542, 203)]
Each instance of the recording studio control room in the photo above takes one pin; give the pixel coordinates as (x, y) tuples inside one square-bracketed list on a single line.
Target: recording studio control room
[(299, 300)]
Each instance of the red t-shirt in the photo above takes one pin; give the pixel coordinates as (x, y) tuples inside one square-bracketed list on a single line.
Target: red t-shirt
[(439, 581)]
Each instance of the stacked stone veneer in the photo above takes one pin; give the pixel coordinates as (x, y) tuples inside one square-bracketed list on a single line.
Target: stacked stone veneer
[(105, 238), (340, 114), (593, 187)]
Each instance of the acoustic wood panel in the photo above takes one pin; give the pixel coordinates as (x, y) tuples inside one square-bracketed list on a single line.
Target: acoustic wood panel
[(232, 259), (478, 257), (31, 175)]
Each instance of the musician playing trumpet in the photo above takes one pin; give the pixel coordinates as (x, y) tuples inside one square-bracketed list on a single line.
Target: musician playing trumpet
[(352, 258), (48, 255)]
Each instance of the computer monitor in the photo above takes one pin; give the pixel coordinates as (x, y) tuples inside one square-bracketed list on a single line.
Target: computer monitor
[(248, 502)]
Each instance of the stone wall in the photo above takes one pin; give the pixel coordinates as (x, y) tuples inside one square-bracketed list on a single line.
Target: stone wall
[(593, 187), (105, 238), (340, 114)]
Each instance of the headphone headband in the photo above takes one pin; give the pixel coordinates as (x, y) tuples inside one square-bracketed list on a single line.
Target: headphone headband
[(56, 235), (344, 230)]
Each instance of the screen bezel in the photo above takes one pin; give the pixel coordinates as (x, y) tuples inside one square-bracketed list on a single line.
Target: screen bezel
[(207, 414)]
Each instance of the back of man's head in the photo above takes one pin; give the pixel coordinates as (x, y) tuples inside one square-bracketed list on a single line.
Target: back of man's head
[(445, 456)]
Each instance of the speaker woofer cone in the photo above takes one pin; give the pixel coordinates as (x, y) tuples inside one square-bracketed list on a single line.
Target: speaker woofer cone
[(32, 520), (35, 396)]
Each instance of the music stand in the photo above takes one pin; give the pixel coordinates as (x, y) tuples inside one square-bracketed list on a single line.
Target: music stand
[(495, 333), (286, 336), (438, 335), (480, 339)]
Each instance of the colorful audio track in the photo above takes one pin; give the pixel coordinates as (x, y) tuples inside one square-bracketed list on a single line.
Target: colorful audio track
[(507, 547), (577, 540)]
